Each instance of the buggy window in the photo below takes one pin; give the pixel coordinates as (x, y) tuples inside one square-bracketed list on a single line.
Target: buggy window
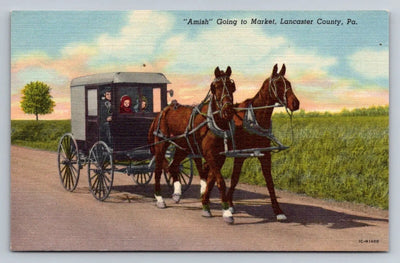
[(143, 99), (92, 102), (157, 99)]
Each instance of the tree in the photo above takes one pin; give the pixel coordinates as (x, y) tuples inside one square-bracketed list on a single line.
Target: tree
[(36, 99)]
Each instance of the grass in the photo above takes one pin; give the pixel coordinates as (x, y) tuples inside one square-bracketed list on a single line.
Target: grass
[(38, 134), (342, 156)]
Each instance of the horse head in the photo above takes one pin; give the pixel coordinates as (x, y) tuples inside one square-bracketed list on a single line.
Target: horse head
[(222, 89), (280, 90)]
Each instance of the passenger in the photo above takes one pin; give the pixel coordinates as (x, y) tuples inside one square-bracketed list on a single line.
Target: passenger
[(143, 105), (125, 104)]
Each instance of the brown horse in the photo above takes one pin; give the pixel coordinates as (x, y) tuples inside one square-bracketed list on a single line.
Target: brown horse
[(202, 127), (275, 90)]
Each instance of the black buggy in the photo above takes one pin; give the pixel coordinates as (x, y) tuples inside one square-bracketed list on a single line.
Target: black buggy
[(119, 144)]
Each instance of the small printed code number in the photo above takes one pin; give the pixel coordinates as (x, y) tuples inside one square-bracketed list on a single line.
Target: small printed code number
[(368, 241)]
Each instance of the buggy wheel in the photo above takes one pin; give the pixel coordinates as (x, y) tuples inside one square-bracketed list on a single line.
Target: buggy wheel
[(100, 171), (143, 178), (185, 175), (68, 162)]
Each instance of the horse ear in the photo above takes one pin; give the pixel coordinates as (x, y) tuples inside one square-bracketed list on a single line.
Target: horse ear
[(275, 70), (228, 71), (217, 72), (283, 70)]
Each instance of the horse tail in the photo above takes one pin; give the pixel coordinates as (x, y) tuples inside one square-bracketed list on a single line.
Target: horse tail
[(150, 135), (155, 128)]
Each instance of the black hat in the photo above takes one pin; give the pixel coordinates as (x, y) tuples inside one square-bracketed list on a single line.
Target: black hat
[(106, 89)]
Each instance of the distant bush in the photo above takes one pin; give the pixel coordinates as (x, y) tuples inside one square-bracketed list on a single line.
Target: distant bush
[(370, 111)]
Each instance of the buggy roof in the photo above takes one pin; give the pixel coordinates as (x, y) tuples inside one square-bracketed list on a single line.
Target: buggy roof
[(120, 77)]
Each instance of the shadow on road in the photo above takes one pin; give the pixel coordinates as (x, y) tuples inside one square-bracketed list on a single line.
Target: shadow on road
[(258, 205)]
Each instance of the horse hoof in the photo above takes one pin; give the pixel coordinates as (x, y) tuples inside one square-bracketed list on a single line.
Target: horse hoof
[(229, 220), (206, 213), (176, 198), (227, 216), (161, 205), (281, 217), (232, 209)]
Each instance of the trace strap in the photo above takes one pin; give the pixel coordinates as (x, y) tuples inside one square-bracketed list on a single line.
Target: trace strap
[(251, 125)]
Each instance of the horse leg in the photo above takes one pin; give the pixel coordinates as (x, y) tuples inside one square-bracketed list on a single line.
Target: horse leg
[(206, 212), (159, 159), (179, 156), (203, 171), (266, 169), (237, 167), (215, 163)]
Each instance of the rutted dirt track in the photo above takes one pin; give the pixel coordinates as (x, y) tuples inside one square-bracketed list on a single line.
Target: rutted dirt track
[(46, 217)]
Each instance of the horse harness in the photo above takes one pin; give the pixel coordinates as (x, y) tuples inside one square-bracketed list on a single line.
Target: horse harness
[(210, 122)]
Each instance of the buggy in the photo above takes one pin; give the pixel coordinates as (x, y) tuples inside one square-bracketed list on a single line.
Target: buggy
[(120, 143)]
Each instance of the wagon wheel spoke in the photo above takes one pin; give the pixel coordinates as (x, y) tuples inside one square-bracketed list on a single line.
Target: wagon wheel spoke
[(73, 174), (143, 178), (183, 178)]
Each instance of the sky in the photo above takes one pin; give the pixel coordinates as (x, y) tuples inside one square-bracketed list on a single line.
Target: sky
[(340, 59)]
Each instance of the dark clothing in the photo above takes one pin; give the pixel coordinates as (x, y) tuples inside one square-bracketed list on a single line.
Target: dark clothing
[(105, 112)]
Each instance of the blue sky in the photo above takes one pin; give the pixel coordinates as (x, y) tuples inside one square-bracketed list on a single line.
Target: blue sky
[(330, 66)]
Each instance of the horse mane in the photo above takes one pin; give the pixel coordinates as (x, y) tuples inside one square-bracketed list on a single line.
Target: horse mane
[(257, 95)]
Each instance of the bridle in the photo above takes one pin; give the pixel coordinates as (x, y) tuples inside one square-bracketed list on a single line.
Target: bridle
[(225, 94), (273, 89)]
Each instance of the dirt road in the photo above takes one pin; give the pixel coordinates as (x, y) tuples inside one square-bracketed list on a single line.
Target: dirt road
[(46, 217)]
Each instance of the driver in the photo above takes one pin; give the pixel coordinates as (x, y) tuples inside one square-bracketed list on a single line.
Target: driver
[(106, 117)]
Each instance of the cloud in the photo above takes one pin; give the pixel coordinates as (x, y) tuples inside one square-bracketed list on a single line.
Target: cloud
[(370, 63), (137, 42)]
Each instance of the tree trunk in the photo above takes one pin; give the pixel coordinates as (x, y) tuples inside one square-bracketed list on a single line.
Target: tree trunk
[(37, 117)]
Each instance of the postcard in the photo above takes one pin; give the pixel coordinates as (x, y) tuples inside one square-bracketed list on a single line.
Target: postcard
[(150, 130)]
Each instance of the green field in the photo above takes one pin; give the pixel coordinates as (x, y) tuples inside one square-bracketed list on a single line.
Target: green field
[(343, 156)]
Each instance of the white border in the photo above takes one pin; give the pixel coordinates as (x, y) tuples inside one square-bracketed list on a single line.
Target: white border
[(393, 6)]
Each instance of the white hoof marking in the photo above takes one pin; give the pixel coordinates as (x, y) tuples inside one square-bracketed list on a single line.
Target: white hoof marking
[(281, 217), (227, 213), (203, 186), (227, 216), (177, 188)]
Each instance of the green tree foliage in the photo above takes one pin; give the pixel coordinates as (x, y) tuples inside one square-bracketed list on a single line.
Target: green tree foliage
[(36, 99)]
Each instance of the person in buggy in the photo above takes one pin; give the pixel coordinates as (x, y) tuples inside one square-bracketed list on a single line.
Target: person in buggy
[(141, 106), (125, 104), (106, 117)]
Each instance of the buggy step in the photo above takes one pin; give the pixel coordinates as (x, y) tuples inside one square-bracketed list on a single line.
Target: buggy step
[(254, 152)]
